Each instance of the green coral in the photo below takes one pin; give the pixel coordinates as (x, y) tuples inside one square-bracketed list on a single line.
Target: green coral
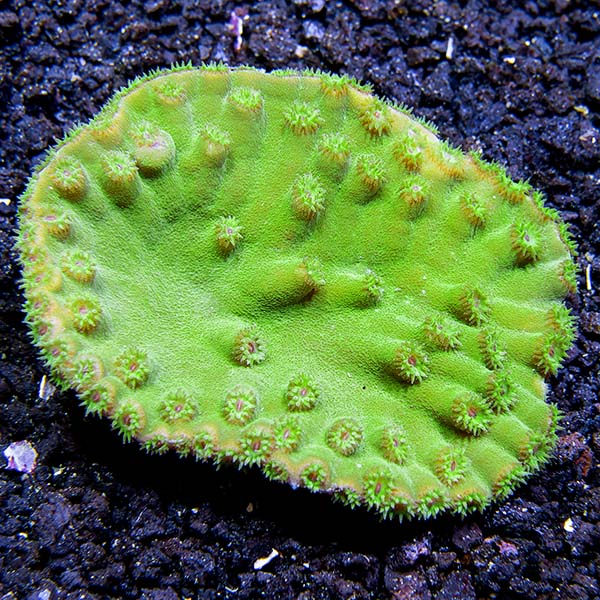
[(282, 270)]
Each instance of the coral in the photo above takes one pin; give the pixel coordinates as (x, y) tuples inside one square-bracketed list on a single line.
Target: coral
[(282, 270)]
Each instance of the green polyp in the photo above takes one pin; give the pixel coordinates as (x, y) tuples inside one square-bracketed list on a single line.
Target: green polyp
[(86, 313), (411, 363), (283, 270), (240, 405), (288, 433), (375, 119), (58, 224), (229, 234), (69, 178), (302, 393), (256, 445), (345, 436), (394, 444), (128, 419), (442, 333), (154, 151), (309, 197), (214, 144), (79, 266), (335, 147), (314, 476), (99, 398), (131, 367), (370, 172), (303, 118), (121, 179), (178, 406)]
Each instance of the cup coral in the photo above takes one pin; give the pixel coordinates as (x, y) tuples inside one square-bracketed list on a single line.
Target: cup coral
[(283, 270)]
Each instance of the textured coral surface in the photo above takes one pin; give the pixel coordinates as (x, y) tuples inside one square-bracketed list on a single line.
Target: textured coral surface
[(100, 519), (283, 270)]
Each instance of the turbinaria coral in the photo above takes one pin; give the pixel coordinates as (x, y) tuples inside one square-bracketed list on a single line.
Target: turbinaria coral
[(283, 270)]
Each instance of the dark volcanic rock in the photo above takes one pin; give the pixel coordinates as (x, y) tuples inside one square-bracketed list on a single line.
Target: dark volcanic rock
[(100, 520)]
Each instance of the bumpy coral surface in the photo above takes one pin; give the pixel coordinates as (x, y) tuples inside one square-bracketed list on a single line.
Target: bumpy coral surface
[(283, 270)]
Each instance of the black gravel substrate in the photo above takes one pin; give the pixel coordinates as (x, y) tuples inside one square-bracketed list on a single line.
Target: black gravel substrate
[(97, 519)]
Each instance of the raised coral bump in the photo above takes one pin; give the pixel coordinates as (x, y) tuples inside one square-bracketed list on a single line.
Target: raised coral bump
[(372, 287), (414, 191), (229, 234), (561, 320), (120, 177), (335, 86), (99, 398), (492, 349), (203, 445), (288, 433), (256, 445), (275, 470), (58, 351), (394, 444), (86, 371), (471, 414), (132, 367), (550, 353), (129, 419), (246, 100), (375, 119), (86, 314), (347, 496), (215, 143), (335, 147), (411, 363), (526, 243), (303, 118), (69, 178), (248, 347), (345, 436), (378, 490), (474, 308), (309, 197), (474, 209), (240, 405), (514, 191), (567, 274), (177, 407), (469, 501), (312, 274), (499, 391), (451, 465), (449, 160), (79, 266), (58, 224), (408, 153), (170, 92), (535, 450), (431, 503), (154, 149), (302, 393), (314, 476), (371, 171), (508, 479), (442, 333)]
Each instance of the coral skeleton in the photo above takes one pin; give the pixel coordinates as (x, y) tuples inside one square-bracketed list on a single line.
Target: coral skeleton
[(282, 270)]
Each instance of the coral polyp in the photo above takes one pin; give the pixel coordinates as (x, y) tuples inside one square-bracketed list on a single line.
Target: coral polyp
[(284, 271)]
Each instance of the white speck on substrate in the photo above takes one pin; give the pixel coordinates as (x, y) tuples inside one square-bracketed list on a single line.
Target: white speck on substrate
[(21, 456), (568, 525), (259, 563)]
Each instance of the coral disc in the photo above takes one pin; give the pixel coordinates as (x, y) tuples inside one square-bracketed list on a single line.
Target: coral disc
[(282, 270)]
